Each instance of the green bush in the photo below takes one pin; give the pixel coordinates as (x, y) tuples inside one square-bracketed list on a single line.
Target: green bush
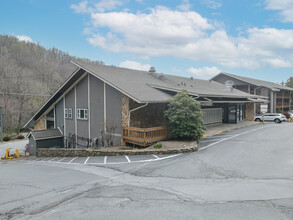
[(158, 146), (184, 117)]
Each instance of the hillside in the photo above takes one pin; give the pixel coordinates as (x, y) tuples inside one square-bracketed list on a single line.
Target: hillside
[(29, 74)]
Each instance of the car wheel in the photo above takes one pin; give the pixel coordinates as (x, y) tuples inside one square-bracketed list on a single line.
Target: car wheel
[(277, 120), (258, 120)]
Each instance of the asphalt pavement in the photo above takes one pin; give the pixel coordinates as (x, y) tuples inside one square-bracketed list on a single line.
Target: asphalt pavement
[(241, 174)]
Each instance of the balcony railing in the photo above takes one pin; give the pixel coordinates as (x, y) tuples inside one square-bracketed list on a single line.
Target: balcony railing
[(144, 136)]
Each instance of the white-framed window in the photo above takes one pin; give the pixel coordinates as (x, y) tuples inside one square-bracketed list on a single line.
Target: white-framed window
[(81, 113), (70, 113), (66, 113)]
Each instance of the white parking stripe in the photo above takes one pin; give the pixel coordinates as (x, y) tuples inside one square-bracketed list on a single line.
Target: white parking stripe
[(225, 139), (61, 159), (52, 159), (72, 160), (105, 159), (86, 160), (156, 156), (210, 140), (127, 158)]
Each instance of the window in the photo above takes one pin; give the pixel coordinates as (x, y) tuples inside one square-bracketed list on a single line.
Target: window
[(82, 113), (66, 113), (70, 113)]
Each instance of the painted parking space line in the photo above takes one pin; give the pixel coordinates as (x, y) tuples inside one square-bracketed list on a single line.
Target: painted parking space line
[(86, 160), (52, 159), (61, 159), (210, 140), (140, 157), (225, 139), (72, 160), (96, 160), (155, 156), (105, 160), (127, 158)]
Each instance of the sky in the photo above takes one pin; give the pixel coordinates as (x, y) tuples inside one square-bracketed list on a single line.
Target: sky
[(197, 38)]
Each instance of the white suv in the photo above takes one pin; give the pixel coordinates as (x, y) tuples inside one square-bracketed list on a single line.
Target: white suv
[(276, 117)]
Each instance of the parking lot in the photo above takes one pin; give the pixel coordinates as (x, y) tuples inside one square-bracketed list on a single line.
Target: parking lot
[(103, 160), (240, 174)]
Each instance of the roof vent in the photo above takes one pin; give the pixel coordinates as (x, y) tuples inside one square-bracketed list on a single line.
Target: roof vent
[(152, 69), (229, 85)]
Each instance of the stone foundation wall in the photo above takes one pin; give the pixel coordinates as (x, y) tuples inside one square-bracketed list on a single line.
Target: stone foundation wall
[(53, 152), (249, 111), (40, 124)]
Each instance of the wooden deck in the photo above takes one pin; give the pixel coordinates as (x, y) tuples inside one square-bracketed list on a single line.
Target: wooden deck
[(144, 136)]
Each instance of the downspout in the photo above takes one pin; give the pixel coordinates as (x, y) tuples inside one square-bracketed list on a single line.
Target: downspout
[(132, 110)]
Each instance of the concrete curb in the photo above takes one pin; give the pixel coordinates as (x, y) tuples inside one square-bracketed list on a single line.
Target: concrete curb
[(49, 152)]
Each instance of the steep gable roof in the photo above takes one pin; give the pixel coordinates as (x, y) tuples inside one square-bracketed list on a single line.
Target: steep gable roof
[(133, 83), (141, 86)]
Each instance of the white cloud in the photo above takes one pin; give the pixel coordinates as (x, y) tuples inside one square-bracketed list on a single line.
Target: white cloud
[(204, 73), (284, 6), (101, 6), (24, 38), (185, 6), (82, 7), (135, 65), (214, 4), (106, 5), (186, 34)]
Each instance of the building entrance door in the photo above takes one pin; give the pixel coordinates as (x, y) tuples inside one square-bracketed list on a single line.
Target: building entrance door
[(232, 114)]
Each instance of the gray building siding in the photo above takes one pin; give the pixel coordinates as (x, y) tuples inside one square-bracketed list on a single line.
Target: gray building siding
[(46, 143), (32, 146), (82, 102), (59, 115), (97, 106), (95, 110), (70, 103), (114, 109)]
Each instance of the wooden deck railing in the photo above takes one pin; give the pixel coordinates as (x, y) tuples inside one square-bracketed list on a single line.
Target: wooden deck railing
[(144, 136)]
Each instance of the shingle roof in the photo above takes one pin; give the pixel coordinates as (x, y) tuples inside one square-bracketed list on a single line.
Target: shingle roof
[(141, 85), (46, 134), (203, 88), (133, 83), (257, 82)]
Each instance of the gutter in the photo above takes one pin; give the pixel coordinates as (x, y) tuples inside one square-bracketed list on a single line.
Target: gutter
[(132, 110)]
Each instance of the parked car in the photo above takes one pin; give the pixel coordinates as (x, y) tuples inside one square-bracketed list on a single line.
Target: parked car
[(276, 117), (290, 113)]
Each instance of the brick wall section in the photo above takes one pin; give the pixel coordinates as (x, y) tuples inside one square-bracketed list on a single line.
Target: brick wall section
[(249, 111), (40, 124), (124, 114)]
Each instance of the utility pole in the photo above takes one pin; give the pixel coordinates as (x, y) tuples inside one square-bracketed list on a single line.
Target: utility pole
[(1, 126)]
